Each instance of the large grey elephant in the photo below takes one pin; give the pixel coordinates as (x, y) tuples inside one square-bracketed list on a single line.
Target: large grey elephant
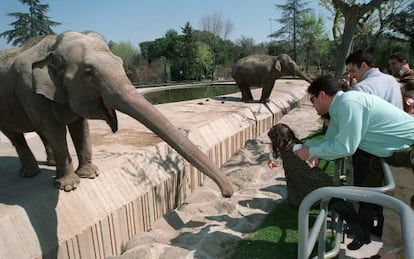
[(262, 71), (61, 81)]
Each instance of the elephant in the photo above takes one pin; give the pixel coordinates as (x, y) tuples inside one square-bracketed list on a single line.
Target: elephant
[(57, 83), (262, 71)]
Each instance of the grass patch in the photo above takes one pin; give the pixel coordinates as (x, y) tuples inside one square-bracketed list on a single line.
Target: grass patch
[(277, 236)]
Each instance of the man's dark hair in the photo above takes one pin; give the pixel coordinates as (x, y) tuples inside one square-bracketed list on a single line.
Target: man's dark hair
[(360, 56), (400, 56), (326, 83)]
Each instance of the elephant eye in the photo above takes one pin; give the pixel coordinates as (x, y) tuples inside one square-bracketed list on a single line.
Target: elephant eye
[(88, 72)]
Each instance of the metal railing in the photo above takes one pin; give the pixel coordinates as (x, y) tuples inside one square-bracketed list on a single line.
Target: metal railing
[(374, 195)]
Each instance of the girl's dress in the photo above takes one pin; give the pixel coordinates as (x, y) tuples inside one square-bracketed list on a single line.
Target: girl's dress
[(300, 178)]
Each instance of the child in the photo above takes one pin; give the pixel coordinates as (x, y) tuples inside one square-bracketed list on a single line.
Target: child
[(301, 179)]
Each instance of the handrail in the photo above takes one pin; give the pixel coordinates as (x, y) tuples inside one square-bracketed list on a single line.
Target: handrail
[(344, 192), (306, 245), (388, 180)]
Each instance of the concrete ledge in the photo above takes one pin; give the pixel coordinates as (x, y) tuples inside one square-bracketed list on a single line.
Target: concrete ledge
[(141, 177)]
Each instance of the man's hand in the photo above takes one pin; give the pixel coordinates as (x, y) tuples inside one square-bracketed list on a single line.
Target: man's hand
[(303, 153)]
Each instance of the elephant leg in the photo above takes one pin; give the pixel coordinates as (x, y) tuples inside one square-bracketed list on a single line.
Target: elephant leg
[(50, 157), (27, 160), (266, 91), (246, 93), (66, 179), (79, 131)]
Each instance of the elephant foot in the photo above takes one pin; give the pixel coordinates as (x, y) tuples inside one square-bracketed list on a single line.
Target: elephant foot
[(88, 171), (68, 182), (29, 171)]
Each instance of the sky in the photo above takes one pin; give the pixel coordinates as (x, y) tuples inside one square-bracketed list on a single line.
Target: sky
[(136, 21)]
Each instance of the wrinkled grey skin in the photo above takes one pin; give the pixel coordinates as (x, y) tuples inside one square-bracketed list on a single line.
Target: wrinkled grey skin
[(61, 81), (262, 71)]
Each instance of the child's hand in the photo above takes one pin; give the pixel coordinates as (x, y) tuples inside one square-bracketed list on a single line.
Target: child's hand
[(272, 164), (312, 162)]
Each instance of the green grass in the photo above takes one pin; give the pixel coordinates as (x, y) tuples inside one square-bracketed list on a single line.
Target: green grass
[(277, 236)]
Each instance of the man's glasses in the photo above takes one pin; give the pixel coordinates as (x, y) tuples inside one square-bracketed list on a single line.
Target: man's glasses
[(312, 99)]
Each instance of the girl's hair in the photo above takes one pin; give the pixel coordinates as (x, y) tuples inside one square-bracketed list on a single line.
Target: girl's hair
[(281, 136)]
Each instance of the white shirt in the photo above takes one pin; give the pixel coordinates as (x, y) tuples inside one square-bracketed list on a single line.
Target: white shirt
[(382, 85)]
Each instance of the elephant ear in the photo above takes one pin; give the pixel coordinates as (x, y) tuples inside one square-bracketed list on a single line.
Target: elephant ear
[(35, 65), (278, 66), (47, 81)]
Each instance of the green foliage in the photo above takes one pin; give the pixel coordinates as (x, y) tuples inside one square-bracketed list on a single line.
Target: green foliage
[(278, 47), (192, 55), (388, 47), (219, 48), (360, 24), (402, 26), (29, 25), (204, 59), (292, 15), (189, 67), (314, 40), (128, 54)]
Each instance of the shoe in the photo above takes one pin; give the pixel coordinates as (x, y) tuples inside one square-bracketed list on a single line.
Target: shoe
[(356, 244)]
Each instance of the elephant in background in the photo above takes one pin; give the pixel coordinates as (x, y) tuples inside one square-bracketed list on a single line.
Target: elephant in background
[(57, 83), (262, 71)]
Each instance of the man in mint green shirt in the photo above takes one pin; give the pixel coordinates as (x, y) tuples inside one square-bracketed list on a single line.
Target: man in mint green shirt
[(364, 121)]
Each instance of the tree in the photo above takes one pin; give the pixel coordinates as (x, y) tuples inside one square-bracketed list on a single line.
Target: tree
[(190, 68), (169, 49), (402, 27), (314, 39), (29, 25), (373, 26), (220, 49), (216, 25), (246, 46), (354, 16), (204, 59), (292, 13), (216, 31), (128, 54)]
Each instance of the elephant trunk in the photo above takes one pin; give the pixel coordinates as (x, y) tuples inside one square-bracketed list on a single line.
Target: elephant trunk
[(301, 74), (127, 100)]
